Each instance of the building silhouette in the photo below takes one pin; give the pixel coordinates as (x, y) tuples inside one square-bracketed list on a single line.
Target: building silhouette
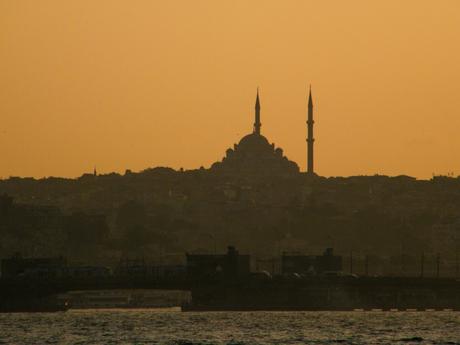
[(229, 266), (255, 156)]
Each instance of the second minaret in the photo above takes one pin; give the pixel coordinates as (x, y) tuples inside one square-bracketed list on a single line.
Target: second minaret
[(310, 139)]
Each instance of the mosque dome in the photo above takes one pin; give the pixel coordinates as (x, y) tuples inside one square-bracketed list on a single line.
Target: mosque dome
[(254, 142)]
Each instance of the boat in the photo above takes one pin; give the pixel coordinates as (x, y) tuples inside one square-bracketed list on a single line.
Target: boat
[(28, 305)]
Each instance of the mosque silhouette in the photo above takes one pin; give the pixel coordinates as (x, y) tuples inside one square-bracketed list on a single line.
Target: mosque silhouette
[(254, 155)]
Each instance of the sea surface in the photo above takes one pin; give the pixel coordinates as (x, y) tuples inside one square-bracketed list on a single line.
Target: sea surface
[(170, 326)]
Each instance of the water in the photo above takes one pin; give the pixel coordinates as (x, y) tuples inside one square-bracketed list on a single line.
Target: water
[(172, 327)]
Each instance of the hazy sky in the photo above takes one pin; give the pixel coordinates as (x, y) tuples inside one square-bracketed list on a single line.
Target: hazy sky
[(135, 84)]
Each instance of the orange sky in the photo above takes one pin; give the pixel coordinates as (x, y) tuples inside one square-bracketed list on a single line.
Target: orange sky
[(142, 83)]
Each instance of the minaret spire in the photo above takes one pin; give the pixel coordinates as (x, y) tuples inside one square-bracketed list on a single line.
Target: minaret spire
[(310, 139), (257, 123)]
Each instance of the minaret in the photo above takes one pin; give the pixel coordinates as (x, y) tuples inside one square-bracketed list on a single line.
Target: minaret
[(257, 123), (310, 139)]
